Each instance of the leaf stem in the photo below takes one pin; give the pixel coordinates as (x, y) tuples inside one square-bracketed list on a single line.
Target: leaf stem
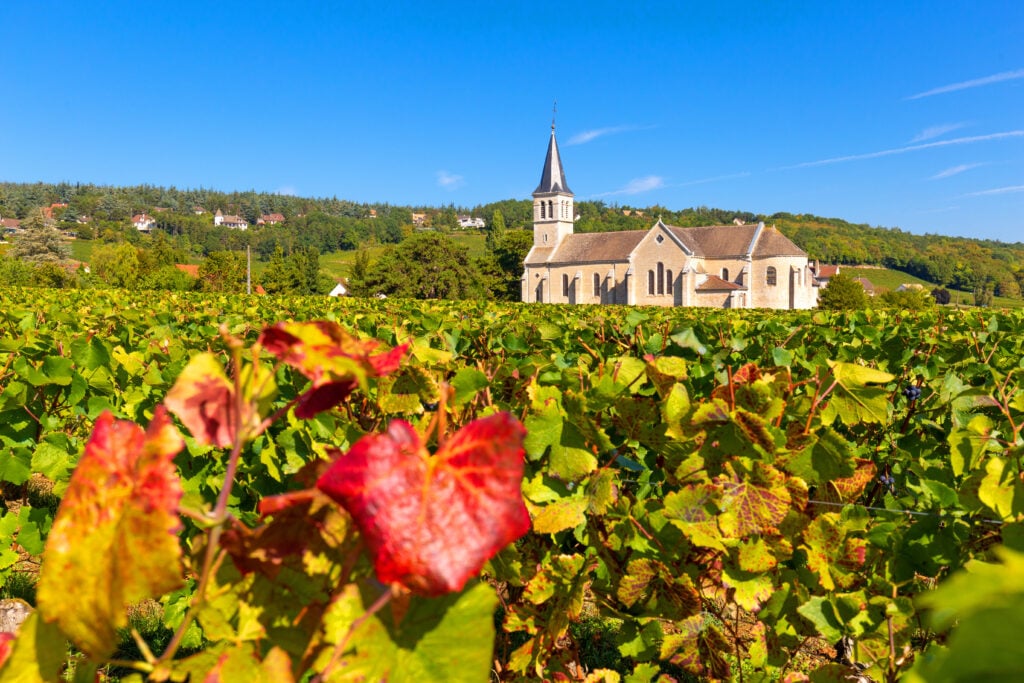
[(378, 604)]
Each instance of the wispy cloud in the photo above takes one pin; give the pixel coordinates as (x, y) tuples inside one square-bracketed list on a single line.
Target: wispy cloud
[(908, 148), (998, 190), (955, 170), (449, 181), (637, 186), (288, 190), (936, 131), (589, 135), (976, 83), (731, 176)]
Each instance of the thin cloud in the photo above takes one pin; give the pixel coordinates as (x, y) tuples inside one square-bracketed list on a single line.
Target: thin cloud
[(589, 135), (936, 131), (731, 176), (955, 170), (287, 190), (976, 83), (449, 181), (998, 190), (909, 148), (637, 186)]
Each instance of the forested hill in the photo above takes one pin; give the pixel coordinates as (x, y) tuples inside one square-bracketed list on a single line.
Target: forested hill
[(963, 263)]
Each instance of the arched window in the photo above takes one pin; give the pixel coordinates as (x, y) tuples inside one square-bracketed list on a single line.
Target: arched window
[(565, 285), (770, 276), (725, 274), (668, 281), (543, 210), (661, 278), (650, 282), (597, 285)]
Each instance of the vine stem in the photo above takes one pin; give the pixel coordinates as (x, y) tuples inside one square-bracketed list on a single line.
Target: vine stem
[(211, 557), (378, 604)]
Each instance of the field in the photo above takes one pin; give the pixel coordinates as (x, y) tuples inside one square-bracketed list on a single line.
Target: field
[(339, 263), (892, 279), (711, 494)]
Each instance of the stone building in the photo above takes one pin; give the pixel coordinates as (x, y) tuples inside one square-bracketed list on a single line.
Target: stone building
[(721, 266)]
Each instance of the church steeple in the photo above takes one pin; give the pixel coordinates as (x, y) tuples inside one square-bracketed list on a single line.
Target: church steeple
[(552, 200), (552, 178)]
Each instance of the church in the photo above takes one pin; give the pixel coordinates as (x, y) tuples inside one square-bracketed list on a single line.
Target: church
[(720, 266)]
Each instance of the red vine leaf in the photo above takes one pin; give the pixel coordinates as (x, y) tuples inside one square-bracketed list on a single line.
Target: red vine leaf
[(431, 522), (335, 361), (6, 640), (115, 535), (749, 508), (203, 398)]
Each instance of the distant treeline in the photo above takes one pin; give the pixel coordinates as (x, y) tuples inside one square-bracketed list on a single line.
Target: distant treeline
[(331, 224)]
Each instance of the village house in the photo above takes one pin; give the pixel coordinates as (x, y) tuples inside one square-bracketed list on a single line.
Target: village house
[(270, 219), (722, 266), (471, 222), (143, 222), (230, 221)]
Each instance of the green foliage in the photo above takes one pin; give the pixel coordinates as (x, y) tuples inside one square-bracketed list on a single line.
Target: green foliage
[(912, 299), (714, 487), (39, 243), (842, 293), (427, 265)]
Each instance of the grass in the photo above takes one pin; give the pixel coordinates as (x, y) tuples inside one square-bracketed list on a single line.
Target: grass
[(892, 279)]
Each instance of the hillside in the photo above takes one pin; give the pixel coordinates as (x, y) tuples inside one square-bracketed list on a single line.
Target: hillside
[(332, 225)]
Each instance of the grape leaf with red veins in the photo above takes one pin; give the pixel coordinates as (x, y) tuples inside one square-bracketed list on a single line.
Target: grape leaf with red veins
[(335, 361), (431, 522), (114, 541), (203, 398)]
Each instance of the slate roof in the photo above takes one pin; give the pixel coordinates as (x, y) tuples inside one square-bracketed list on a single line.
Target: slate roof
[(552, 178)]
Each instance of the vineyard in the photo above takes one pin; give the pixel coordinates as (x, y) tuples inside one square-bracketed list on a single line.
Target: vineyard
[(705, 495)]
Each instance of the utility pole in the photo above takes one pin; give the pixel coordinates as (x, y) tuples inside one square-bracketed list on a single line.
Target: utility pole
[(248, 269)]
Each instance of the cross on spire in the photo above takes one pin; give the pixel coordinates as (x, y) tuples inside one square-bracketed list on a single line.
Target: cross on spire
[(554, 113)]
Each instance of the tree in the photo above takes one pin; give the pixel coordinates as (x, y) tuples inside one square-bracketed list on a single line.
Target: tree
[(222, 271), (426, 266), (842, 293), (911, 299), (495, 229), (117, 266), (39, 243), (510, 252), (941, 295)]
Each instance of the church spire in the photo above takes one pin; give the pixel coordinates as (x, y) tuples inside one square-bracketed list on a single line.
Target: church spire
[(552, 178)]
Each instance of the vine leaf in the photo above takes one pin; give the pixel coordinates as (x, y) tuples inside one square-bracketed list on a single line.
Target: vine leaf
[(115, 535), (431, 522), (203, 398), (335, 361), (854, 399)]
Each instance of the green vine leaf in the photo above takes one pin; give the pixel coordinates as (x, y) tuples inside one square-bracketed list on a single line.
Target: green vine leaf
[(854, 400)]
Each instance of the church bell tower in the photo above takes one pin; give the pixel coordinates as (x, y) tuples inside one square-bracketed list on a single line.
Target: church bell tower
[(552, 201)]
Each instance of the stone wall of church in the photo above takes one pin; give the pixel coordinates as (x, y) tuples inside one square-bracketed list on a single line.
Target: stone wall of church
[(781, 282)]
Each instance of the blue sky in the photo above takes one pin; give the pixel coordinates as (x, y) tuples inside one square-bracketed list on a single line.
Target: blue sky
[(907, 114)]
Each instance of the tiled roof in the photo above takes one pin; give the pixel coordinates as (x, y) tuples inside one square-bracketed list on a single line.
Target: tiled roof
[(538, 255), (189, 268), (597, 247), (715, 283), (827, 271), (774, 243)]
